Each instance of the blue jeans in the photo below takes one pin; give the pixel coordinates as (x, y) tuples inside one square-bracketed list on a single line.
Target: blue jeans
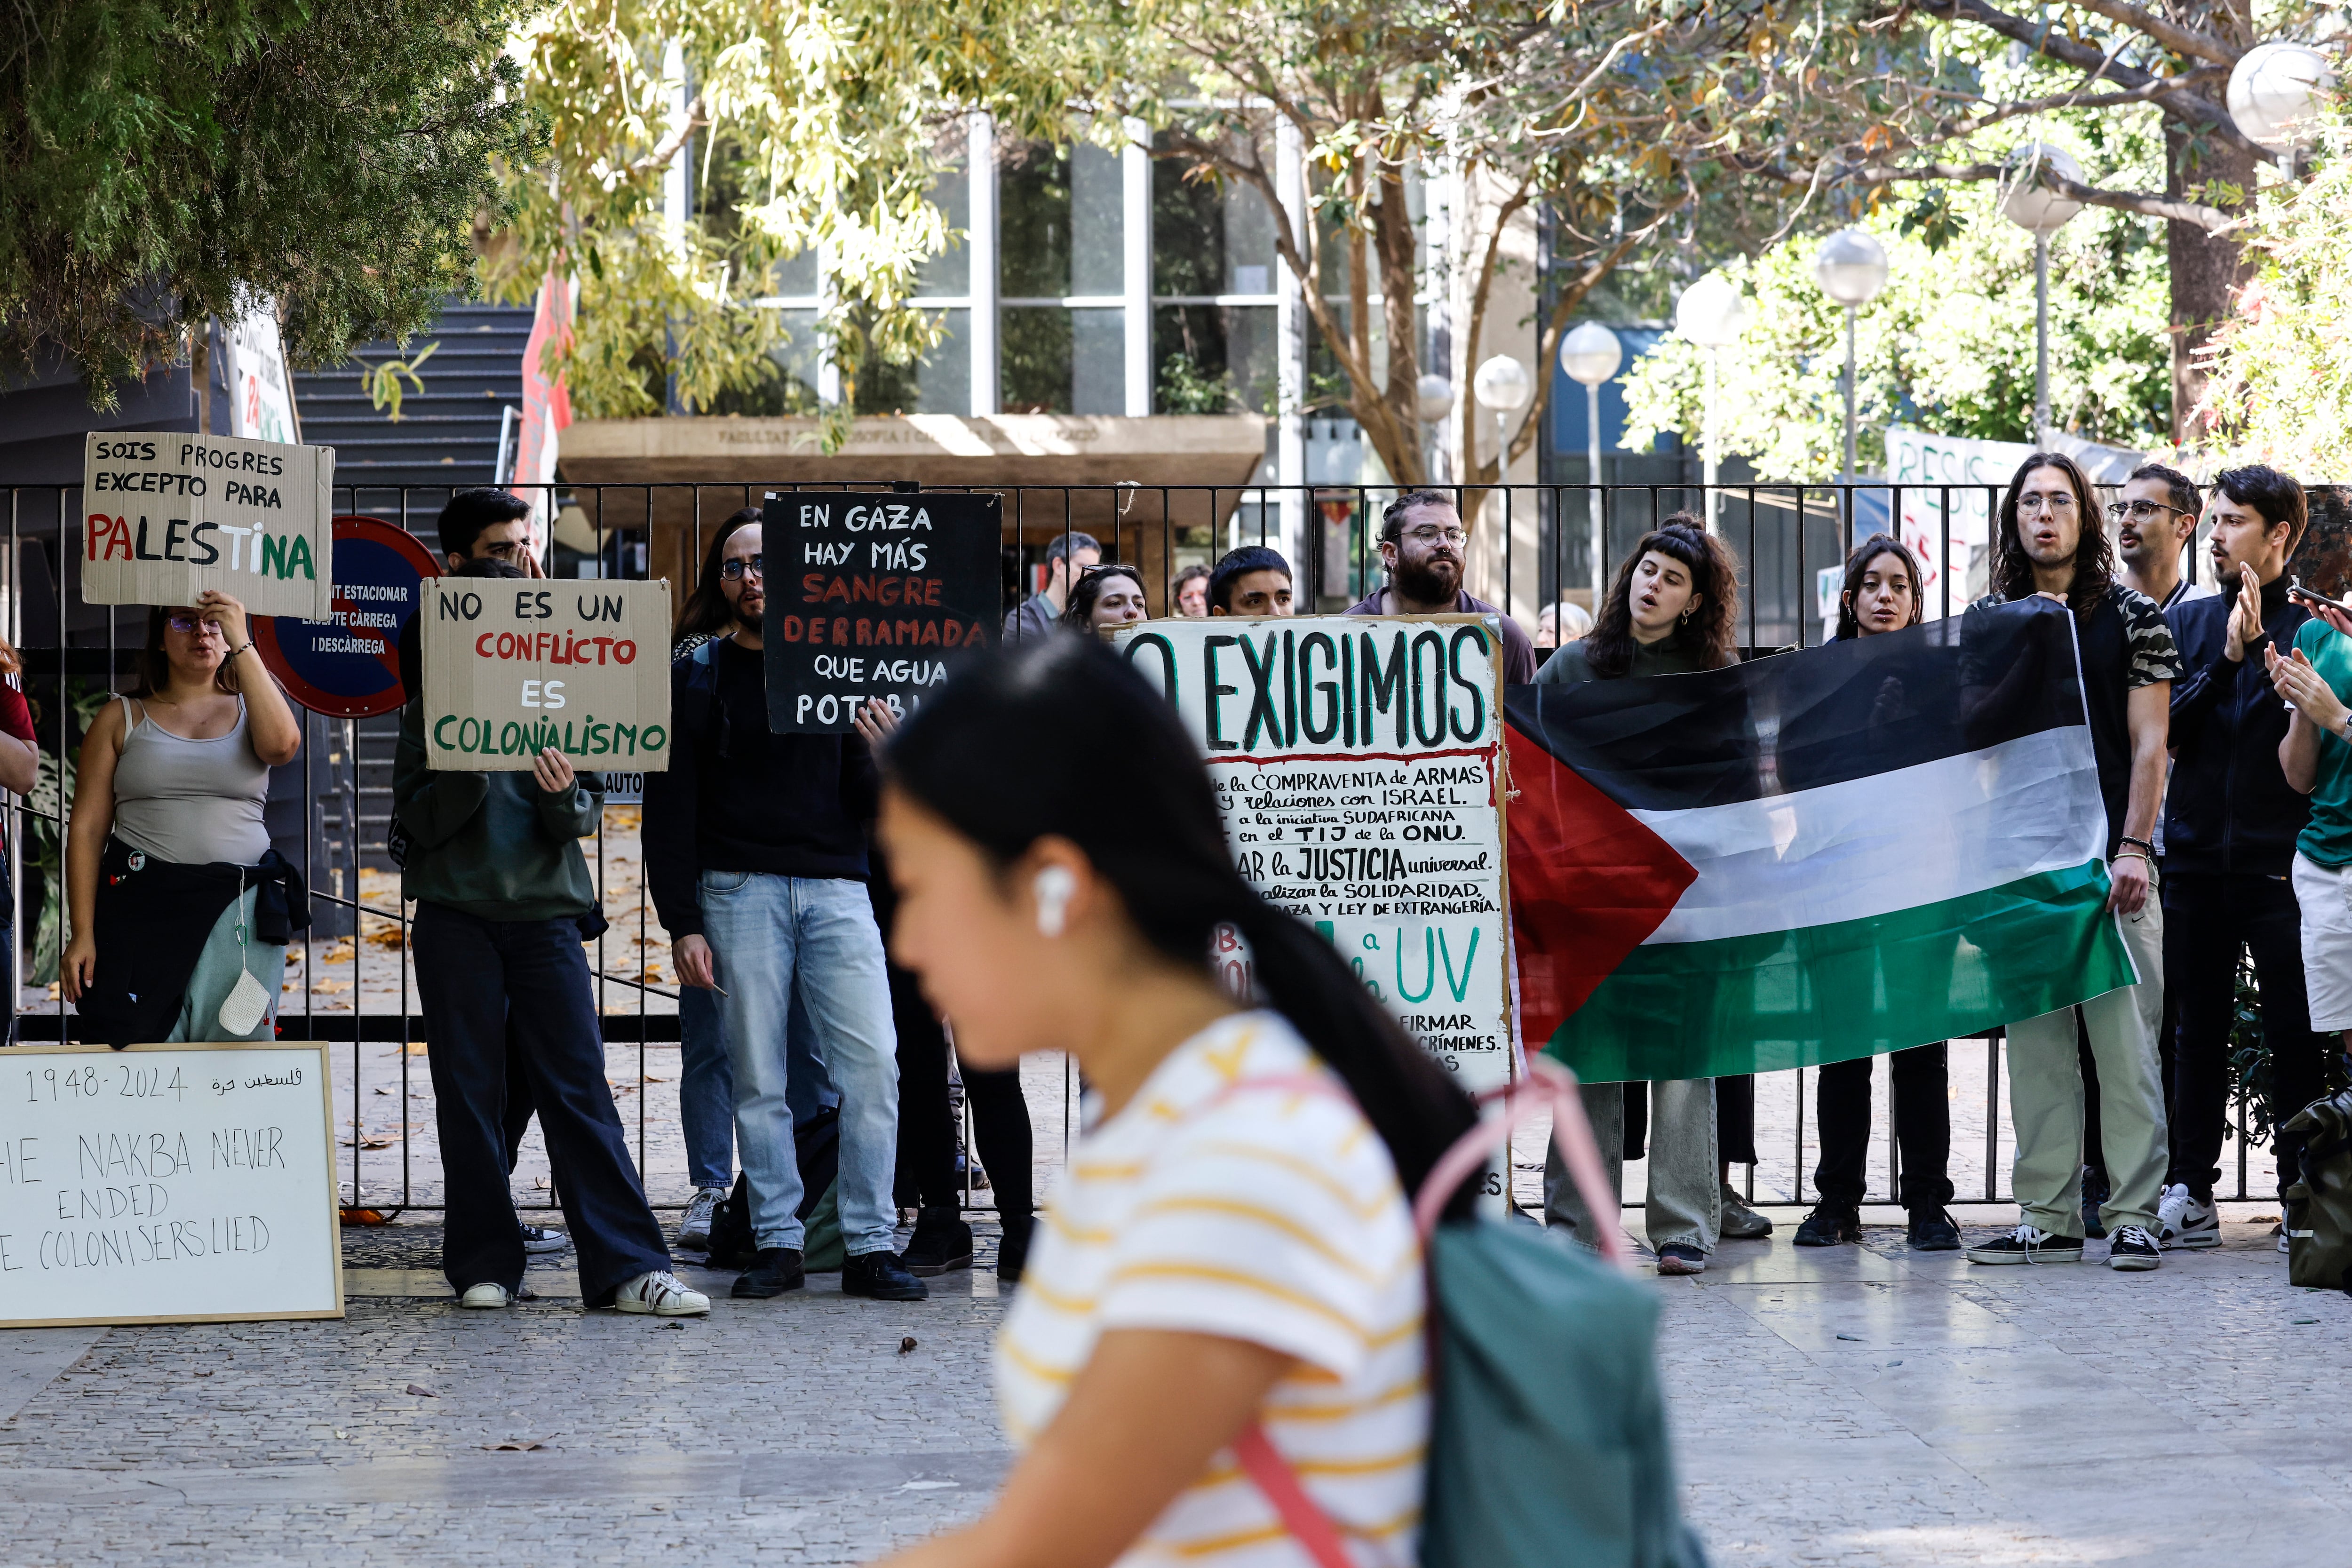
[(777, 940), (706, 1085)]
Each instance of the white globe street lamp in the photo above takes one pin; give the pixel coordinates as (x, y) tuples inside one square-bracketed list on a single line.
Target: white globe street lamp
[(2032, 206), (1851, 266), (2274, 96), (1432, 400), (1710, 314), (1590, 355)]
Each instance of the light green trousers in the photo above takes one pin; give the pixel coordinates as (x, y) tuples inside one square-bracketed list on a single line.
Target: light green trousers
[(1684, 1201), (2045, 1096)]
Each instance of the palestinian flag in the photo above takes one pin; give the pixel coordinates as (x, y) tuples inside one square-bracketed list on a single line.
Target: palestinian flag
[(1813, 856)]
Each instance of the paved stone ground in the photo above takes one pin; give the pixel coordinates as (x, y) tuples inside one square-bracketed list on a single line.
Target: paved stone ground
[(1860, 1406)]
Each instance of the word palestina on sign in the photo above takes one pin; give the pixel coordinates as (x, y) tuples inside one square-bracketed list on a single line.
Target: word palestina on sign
[(169, 516), (512, 667), (1358, 763)]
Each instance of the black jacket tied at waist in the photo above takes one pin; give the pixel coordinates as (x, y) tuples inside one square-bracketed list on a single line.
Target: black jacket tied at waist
[(153, 918)]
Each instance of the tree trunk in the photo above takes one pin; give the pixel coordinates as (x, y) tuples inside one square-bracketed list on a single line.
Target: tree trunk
[(2206, 268)]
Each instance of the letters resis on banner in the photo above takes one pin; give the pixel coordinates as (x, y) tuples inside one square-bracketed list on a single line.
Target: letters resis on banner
[(513, 665), (1358, 762), (168, 516)]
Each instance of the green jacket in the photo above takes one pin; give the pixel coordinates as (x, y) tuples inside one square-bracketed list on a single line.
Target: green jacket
[(1675, 654), (494, 845)]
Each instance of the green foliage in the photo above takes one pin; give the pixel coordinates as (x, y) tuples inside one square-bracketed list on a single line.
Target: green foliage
[(166, 163), (2279, 389), (2251, 1069), (1947, 346), (1185, 389), (382, 382)]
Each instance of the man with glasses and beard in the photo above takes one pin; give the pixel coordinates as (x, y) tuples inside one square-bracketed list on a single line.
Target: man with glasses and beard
[(2155, 516), (1421, 542)]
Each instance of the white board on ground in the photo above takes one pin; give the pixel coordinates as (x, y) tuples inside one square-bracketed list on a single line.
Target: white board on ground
[(1356, 760), (167, 516), (513, 665), (167, 1185)]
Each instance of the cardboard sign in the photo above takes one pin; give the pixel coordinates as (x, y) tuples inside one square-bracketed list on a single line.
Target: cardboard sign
[(167, 1185), (1358, 762), (872, 596), (260, 389), (512, 665), (168, 516)]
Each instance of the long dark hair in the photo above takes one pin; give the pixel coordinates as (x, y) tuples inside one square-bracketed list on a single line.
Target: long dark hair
[(155, 669), (994, 754), (1080, 615), (707, 613), (1868, 550), (1714, 577), (2095, 562)]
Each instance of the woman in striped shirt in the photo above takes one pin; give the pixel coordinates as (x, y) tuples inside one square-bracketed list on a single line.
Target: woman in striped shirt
[(1232, 1242)]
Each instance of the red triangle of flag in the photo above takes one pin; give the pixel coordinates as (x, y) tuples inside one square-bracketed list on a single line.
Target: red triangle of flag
[(1589, 882)]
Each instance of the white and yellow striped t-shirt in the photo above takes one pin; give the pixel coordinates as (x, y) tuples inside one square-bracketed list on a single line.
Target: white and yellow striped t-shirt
[(1271, 1216)]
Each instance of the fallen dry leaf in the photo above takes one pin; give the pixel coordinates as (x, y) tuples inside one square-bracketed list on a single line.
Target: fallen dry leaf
[(512, 1447), (419, 1389), (906, 1344)]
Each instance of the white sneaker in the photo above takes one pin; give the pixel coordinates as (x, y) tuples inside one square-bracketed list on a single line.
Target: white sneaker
[(485, 1295), (2183, 1222), (662, 1294), (694, 1230)]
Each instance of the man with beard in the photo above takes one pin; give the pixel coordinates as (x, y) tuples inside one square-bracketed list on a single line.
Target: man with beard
[(1421, 540), (755, 854)]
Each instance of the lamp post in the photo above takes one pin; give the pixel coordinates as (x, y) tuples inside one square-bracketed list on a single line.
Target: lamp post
[(1590, 355), (2041, 213), (1710, 314), (2274, 95), (1851, 266), (1432, 400), (1503, 385)]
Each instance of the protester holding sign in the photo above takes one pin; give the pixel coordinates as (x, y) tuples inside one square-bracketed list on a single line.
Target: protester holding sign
[(494, 865), (755, 854), (1225, 1255), (1672, 608), (1421, 542), (1251, 581), (181, 910)]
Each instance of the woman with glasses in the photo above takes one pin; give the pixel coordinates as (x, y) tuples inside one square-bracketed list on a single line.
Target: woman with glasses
[(1106, 598), (181, 910)]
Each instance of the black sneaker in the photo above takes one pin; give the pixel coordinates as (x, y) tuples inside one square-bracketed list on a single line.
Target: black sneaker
[(1830, 1225), (2133, 1251), (941, 1243), (1013, 1249), (1934, 1230), (775, 1270), (881, 1276), (538, 1239), (2027, 1244), (2094, 1192)]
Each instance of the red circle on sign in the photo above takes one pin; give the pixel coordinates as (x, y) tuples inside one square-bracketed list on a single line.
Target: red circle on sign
[(377, 565)]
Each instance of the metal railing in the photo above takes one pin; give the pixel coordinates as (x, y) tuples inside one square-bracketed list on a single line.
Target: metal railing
[(1538, 548)]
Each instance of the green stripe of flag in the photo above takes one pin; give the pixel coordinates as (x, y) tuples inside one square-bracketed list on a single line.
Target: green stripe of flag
[(1856, 988)]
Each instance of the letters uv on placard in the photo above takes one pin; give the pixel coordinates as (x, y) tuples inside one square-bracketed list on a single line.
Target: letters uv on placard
[(1356, 762), (166, 517), (513, 665)]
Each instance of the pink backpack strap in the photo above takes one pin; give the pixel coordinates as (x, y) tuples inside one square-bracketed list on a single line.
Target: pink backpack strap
[(1307, 1523)]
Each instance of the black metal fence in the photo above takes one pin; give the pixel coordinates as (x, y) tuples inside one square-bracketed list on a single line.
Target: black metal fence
[(351, 981)]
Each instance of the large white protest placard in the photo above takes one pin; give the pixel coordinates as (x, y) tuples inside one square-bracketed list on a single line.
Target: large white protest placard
[(167, 1185), (1357, 760), (513, 665), (168, 516)]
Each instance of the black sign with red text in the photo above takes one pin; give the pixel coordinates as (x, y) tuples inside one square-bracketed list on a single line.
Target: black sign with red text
[(872, 596)]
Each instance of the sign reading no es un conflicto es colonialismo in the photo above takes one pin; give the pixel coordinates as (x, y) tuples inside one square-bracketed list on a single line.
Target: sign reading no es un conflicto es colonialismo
[(513, 665), (872, 596)]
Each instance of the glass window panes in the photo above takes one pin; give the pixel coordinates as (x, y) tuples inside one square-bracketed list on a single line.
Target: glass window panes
[(949, 274), (1097, 361), (1214, 359), (1208, 238), (1060, 218), (1098, 223), (940, 383), (1034, 353), (794, 277)]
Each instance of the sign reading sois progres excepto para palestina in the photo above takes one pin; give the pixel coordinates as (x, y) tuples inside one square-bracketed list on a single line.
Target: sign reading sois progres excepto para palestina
[(1358, 763), (515, 664), (872, 596), (168, 516)]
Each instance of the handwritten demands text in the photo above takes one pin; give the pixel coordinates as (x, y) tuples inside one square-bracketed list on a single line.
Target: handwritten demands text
[(179, 1182), (512, 667), (1357, 765), (169, 516), (873, 597)]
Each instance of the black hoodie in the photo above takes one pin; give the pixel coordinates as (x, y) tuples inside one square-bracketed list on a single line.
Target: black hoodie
[(2229, 807)]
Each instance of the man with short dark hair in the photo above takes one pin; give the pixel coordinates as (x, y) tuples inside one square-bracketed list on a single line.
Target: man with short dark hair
[(2156, 520), (1251, 581), (1422, 544), (1067, 557), (484, 523), (2231, 825)]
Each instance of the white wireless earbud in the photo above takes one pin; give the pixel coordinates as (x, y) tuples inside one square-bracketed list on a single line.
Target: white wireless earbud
[(1053, 888)]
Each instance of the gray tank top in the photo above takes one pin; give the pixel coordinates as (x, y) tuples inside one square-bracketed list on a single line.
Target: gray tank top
[(190, 802)]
